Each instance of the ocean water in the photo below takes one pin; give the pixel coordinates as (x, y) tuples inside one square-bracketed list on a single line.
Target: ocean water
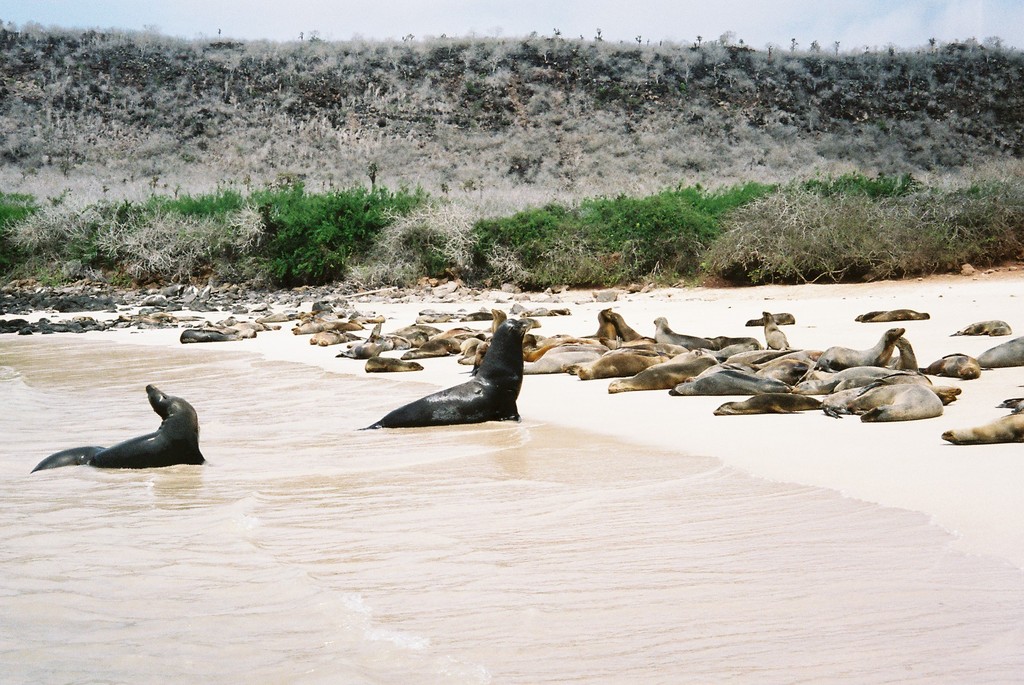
[(308, 551)]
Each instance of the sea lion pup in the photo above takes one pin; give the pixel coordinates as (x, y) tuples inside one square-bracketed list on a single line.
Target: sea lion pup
[(664, 334), (993, 327), (789, 370), (1009, 353), (666, 375), (498, 317), (382, 364), (374, 344), (735, 346), (541, 347), (770, 403), (416, 334), (838, 358), (781, 319), (960, 366), (882, 402), (205, 335), (328, 338), (774, 338), (893, 315), (176, 441), (616, 364), (622, 330), (1014, 403), (560, 359), (438, 346), (489, 396), (853, 377), (1005, 429), (906, 360), (728, 382)]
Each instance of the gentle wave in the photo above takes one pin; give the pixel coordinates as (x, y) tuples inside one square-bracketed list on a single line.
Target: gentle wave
[(308, 551)]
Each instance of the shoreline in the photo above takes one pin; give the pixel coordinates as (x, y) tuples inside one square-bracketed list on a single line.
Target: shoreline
[(971, 491)]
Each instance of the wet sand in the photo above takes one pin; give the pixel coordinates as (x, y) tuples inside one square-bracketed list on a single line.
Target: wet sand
[(604, 537)]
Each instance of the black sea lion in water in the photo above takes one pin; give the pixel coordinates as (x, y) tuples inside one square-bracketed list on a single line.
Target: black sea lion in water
[(490, 396), (176, 441)]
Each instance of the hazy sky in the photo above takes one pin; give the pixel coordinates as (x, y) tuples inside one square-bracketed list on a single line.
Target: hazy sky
[(855, 24)]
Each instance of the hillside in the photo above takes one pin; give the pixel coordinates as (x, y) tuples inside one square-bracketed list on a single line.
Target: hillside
[(499, 123)]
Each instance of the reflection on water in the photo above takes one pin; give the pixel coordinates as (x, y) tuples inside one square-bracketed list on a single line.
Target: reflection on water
[(307, 551)]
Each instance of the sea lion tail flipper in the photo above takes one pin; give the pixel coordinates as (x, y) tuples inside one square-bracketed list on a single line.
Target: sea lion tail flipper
[(833, 412), (76, 456)]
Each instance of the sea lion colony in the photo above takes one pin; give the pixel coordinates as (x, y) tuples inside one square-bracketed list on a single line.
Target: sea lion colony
[(879, 383)]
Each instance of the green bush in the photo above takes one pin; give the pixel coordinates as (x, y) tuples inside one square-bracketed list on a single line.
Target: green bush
[(310, 238), (859, 184), (611, 240), (13, 208)]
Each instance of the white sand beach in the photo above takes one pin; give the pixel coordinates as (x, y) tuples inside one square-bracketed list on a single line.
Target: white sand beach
[(972, 491)]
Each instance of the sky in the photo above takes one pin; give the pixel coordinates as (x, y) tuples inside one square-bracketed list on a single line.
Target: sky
[(855, 24)]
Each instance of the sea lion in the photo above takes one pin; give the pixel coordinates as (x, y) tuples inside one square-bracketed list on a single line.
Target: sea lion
[(893, 315), (1005, 429), (438, 346), (664, 334), (993, 327), (853, 377), (176, 441), (1014, 403), (489, 396), (622, 330), (728, 382), (906, 360), (205, 335), (781, 319), (883, 402), (616, 364), (1009, 353), (770, 403), (558, 359), (381, 364), (960, 366), (789, 370), (774, 338), (838, 358), (666, 375)]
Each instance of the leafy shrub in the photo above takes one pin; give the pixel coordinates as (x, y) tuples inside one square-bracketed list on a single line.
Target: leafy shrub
[(859, 184), (610, 240), (310, 238), (13, 208)]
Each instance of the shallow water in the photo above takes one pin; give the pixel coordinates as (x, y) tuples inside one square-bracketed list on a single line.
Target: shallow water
[(307, 551)]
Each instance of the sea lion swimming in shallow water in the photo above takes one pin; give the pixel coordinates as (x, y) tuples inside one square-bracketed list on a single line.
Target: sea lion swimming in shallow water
[(490, 396), (176, 441)]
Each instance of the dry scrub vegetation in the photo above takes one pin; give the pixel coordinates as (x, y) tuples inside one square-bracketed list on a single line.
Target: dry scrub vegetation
[(502, 152)]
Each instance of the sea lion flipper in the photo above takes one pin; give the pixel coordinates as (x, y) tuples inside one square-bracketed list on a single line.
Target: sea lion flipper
[(75, 456)]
